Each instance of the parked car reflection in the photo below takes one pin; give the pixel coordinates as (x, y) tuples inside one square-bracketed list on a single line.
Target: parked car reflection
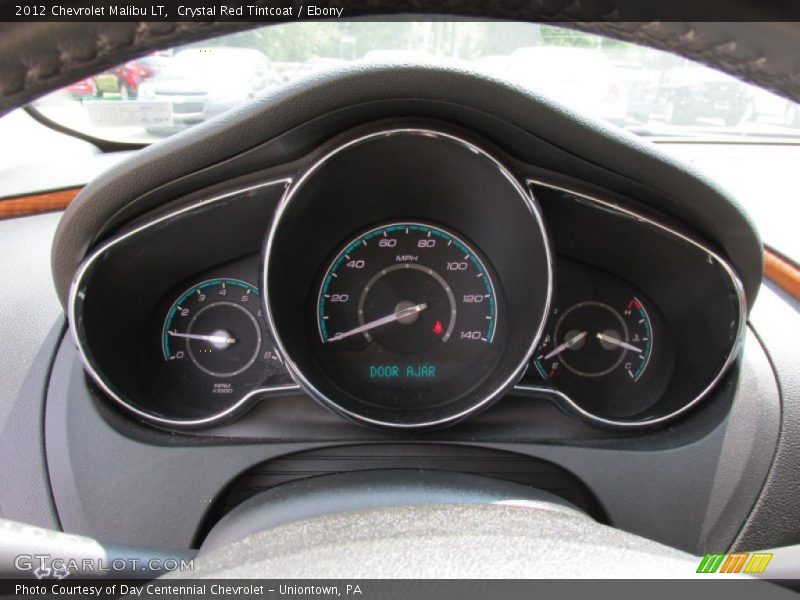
[(766, 106), (202, 83), (689, 93)]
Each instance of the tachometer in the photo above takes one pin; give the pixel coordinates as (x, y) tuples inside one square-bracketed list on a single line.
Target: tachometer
[(215, 326), (214, 349), (407, 314)]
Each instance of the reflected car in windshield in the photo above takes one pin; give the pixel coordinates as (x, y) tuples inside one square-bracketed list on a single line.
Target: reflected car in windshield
[(201, 83), (691, 93), (651, 93)]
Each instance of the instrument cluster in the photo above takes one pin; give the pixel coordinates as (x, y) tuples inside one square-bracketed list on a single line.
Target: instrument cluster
[(403, 296)]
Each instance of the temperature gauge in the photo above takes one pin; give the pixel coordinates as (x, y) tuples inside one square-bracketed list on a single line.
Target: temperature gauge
[(606, 347), (593, 339)]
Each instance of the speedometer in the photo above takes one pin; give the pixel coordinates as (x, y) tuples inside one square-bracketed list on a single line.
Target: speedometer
[(402, 303), (407, 315)]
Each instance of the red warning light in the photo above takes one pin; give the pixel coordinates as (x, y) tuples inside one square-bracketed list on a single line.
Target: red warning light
[(438, 328)]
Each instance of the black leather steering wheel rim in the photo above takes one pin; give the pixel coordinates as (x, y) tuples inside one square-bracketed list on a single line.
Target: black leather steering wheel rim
[(38, 57), (412, 524)]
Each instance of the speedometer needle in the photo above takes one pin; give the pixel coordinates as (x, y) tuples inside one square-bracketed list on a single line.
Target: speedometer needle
[(214, 339), (570, 342), (396, 316), (616, 342)]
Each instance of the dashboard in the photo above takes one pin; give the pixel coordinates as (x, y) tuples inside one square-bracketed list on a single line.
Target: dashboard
[(431, 272), (406, 276), (258, 302)]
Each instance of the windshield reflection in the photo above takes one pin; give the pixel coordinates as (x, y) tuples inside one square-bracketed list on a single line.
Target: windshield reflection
[(648, 92)]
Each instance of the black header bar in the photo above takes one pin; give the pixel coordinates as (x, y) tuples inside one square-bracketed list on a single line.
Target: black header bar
[(266, 11)]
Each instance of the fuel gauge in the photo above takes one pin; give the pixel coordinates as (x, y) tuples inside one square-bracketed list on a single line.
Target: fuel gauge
[(606, 347), (593, 339)]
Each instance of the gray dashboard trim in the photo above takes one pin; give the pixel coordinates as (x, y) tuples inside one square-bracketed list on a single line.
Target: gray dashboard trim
[(32, 326), (775, 519), (570, 404), (77, 292), (688, 487)]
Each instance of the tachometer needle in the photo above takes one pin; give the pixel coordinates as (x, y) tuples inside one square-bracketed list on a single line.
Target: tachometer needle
[(616, 342), (213, 339), (570, 342), (396, 316)]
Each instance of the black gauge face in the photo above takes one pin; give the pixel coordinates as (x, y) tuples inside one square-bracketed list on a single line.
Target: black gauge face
[(213, 347), (414, 321), (605, 347), (406, 316), (593, 339)]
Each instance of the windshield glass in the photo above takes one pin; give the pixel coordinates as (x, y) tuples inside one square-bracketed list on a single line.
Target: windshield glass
[(649, 92)]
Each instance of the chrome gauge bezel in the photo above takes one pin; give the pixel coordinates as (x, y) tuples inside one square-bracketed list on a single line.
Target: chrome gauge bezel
[(74, 315), (302, 378), (564, 401)]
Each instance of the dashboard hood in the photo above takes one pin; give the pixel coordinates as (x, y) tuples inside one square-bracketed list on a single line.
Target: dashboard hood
[(293, 120)]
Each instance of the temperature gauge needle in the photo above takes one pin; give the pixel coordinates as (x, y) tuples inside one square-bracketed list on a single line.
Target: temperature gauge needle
[(213, 339), (616, 342), (396, 316), (570, 342)]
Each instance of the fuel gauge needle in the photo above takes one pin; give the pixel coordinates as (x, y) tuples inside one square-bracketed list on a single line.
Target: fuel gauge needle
[(616, 342), (570, 342)]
